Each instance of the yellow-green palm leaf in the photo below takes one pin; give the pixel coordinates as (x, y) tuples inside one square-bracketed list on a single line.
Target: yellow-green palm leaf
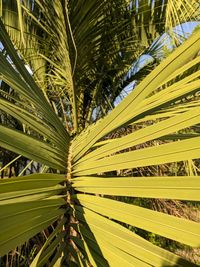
[(59, 62)]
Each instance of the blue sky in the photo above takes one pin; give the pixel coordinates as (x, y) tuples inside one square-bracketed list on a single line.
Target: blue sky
[(184, 30)]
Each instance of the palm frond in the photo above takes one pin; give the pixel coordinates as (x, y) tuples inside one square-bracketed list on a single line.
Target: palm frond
[(28, 205), (61, 60)]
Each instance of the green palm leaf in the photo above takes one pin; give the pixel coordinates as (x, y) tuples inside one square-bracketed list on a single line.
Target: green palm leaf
[(62, 61), (121, 239), (156, 222), (178, 187), (152, 82), (28, 205)]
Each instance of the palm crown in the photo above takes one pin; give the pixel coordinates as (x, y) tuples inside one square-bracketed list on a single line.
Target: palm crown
[(63, 63)]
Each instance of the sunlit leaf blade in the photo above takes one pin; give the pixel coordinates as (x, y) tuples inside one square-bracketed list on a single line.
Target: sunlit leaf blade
[(22, 143), (160, 154), (181, 70), (157, 103), (30, 120), (27, 85), (30, 147), (112, 121), (62, 65), (111, 253), (28, 204), (30, 195), (32, 181), (29, 188), (156, 222), (166, 113), (153, 104), (21, 221), (112, 236), (37, 93), (143, 135), (181, 187)]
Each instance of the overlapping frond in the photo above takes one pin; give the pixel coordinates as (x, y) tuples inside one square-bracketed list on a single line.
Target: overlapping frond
[(79, 51), (28, 205), (94, 44), (140, 101), (31, 108), (97, 164)]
